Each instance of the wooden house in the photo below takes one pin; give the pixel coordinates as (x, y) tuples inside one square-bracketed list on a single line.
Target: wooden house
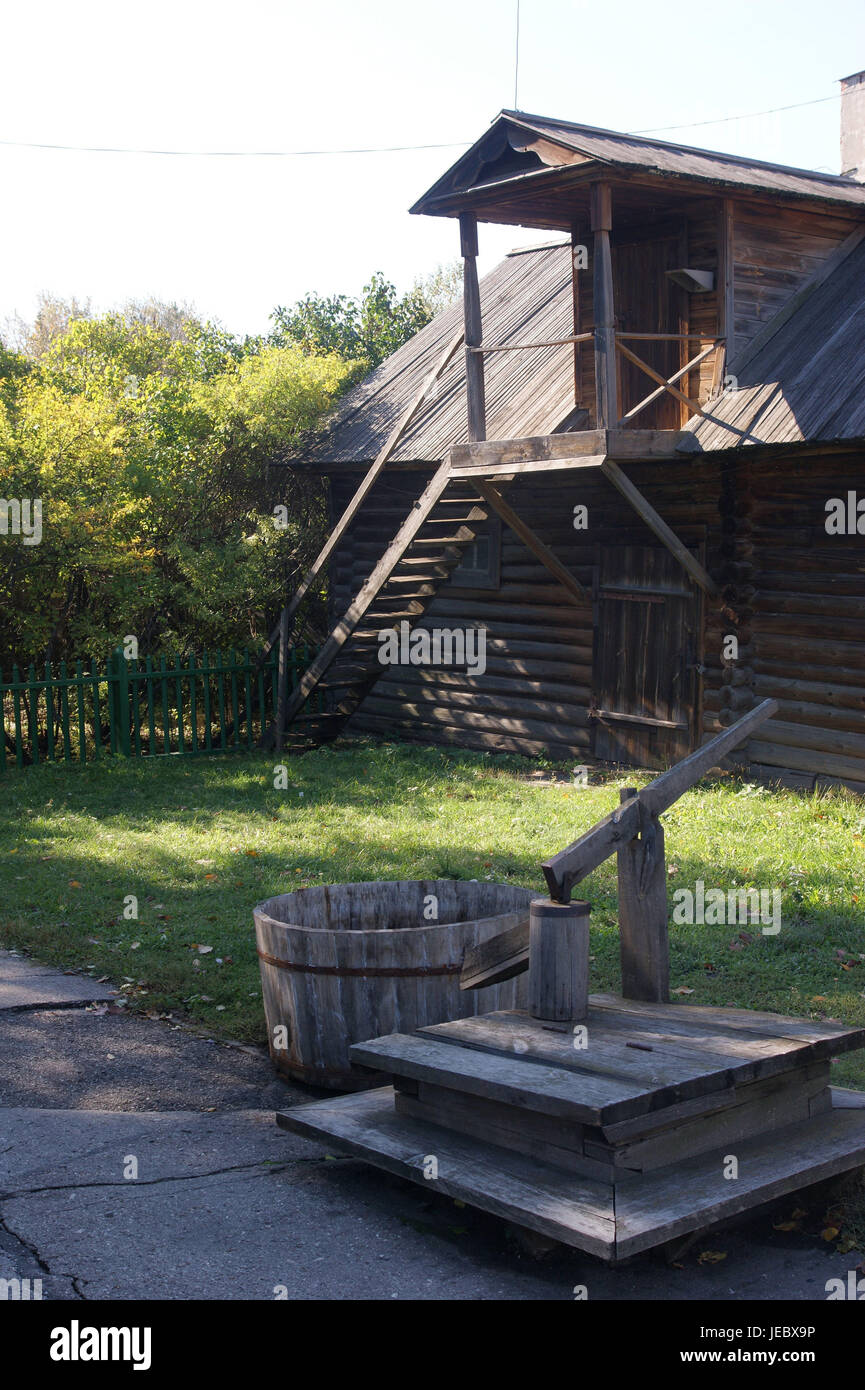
[(633, 457)]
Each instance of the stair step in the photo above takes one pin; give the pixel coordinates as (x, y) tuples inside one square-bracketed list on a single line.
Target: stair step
[(447, 519), (389, 619), (460, 537), (579, 1211), (447, 558), (402, 579)]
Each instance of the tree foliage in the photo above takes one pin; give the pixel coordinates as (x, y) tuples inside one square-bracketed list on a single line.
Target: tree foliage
[(152, 440), (366, 328), (150, 450)]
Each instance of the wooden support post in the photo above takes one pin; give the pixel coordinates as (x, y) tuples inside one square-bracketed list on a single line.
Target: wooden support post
[(643, 938), (606, 410), (575, 295), (558, 960), (282, 681), (473, 327)]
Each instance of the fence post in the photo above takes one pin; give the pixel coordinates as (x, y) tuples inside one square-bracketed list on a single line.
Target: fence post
[(119, 702)]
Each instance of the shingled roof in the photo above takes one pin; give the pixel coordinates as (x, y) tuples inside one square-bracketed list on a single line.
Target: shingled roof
[(527, 298)]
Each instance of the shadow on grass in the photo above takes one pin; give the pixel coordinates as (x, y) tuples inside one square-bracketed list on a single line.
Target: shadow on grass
[(193, 841)]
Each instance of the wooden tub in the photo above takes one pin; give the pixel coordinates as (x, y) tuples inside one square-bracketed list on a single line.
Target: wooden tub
[(347, 962)]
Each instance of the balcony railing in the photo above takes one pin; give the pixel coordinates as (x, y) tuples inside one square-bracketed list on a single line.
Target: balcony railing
[(713, 345)]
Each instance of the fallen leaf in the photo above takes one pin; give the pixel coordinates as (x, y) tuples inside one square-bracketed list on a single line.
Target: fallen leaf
[(734, 946), (73, 883), (711, 1257), (830, 1233), (683, 989), (785, 1225), (746, 937), (210, 877)]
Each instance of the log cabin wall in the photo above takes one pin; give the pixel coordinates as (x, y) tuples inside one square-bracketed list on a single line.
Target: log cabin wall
[(775, 250), (790, 594), (801, 617), (535, 694)]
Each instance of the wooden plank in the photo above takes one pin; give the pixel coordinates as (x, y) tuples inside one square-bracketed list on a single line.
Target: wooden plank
[(570, 865), (473, 332), (533, 448), (663, 1068), (569, 583), (671, 381), (541, 1136), (557, 1203), (656, 523), (530, 347), (756, 1109), (576, 1210), (702, 1020), (549, 1089), (512, 470), (691, 1195), (642, 911), (498, 959)]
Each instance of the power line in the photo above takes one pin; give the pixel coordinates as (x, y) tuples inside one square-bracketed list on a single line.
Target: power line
[(721, 120), (223, 154), (373, 149)]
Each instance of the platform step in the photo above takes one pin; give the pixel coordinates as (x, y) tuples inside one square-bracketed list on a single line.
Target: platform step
[(578, 1211), (634, 1059)]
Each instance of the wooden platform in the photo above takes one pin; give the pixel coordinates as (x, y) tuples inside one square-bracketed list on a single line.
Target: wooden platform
[(614, 1140)]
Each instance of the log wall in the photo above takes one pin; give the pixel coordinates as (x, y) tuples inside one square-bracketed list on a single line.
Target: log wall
[(775, 250), (790, 593)]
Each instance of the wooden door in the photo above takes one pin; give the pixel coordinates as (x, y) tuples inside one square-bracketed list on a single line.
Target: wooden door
[(648, 301), (646, 657)]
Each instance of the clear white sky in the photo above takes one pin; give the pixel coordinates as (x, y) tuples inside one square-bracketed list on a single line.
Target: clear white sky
[(237, 236)]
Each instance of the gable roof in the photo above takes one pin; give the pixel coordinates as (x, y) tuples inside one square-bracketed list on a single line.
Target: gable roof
[(804, 377), (527, 298), (554, 146)]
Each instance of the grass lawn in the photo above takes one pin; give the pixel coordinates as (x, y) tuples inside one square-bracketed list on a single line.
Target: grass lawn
[(199, 842)]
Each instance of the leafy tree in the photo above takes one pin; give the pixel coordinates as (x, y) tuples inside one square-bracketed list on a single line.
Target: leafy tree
[(149, 451), (365, 329), (442, 288)]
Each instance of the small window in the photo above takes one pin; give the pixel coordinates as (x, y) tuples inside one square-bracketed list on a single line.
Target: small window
[(480, 566)]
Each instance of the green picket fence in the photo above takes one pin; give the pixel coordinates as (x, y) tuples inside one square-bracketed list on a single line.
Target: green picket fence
[(219, 704)]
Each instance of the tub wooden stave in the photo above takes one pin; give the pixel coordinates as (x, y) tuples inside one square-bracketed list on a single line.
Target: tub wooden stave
[(335, 969)]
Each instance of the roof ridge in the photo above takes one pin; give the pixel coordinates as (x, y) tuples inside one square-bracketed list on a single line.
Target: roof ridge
[(836, 179)]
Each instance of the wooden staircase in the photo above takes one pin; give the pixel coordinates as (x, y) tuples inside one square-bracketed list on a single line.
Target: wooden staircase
[(425, 550)]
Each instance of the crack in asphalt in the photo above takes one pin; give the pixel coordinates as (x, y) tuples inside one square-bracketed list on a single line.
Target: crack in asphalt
[(33, 1251), (265, 1167)]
